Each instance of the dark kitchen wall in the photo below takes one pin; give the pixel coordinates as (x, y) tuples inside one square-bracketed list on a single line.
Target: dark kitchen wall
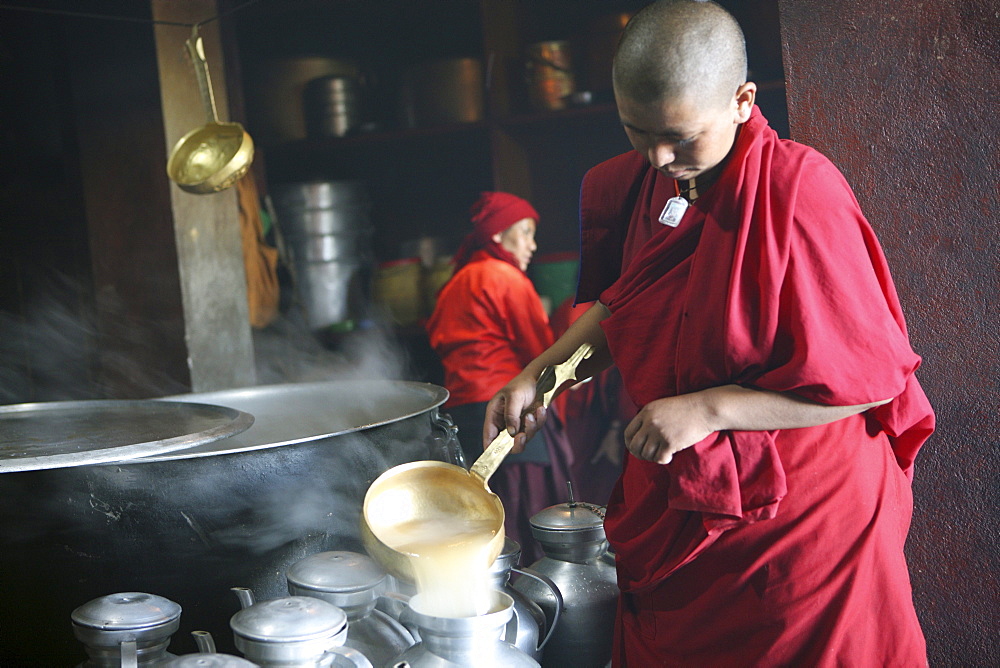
[(90, 305), (44, 258), (903, 97)]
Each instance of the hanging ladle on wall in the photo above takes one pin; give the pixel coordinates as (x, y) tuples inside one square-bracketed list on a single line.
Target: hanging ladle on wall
[(216, 155)]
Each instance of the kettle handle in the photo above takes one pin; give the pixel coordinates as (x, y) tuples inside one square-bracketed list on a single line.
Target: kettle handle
[(555, 593), (129, 654), (446, 443)]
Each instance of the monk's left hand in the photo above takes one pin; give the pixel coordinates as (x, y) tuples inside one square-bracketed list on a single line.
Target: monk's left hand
[(666, 426)]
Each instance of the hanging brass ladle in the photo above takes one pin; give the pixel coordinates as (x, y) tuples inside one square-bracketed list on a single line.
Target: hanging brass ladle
[(216, 155), (437, 492)]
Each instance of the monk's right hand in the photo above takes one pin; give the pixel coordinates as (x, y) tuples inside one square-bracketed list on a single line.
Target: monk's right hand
[(515, 409)]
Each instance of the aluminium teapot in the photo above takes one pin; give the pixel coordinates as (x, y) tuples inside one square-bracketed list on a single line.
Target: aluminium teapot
[(126, 630), (578, 562), (293, 632), (353, 582)]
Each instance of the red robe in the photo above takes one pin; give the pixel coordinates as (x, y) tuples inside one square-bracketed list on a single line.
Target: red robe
[(487, 325), (759, 548)]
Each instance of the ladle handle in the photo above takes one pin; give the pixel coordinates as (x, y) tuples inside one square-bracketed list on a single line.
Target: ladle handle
[(549, 381), (490, 460), (196, 49)]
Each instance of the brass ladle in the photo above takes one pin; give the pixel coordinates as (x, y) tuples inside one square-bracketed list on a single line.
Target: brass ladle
[(216, 155), (429, 490)]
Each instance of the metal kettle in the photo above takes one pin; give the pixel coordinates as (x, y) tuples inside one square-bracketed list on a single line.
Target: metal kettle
[(293, 632), (126, 630), (353, 582), (455, 642), (578, 562), (528, 629)]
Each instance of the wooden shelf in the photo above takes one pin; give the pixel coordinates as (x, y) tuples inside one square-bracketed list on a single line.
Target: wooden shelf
[(378, 138), (547, 119), (424, 179)]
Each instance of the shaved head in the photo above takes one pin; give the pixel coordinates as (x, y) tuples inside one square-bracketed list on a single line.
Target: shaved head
[(681, 49)]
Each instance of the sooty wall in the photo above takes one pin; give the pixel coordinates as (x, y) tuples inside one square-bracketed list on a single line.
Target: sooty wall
[(904, 98)]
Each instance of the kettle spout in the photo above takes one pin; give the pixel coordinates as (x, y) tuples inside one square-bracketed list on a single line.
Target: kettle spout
[(245, 596)]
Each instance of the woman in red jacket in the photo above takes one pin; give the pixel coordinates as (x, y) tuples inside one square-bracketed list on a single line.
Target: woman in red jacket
[(489, 323)]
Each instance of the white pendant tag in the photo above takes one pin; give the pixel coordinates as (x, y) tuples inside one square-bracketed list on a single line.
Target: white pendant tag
[(674, 211)]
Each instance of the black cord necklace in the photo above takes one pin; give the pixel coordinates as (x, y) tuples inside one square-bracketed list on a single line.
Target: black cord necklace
[(688, 189)]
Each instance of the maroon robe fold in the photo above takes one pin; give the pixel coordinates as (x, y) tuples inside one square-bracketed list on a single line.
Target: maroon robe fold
[(759, 548)]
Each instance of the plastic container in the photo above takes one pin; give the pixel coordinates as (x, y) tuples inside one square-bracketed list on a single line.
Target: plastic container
[(555, 276), (399, 290)]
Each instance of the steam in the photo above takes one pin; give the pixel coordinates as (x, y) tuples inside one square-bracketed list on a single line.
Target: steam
[(43, 352), (55, 351), (286, 351)]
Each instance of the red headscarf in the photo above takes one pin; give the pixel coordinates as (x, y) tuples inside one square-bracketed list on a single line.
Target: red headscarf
[(493, 212)]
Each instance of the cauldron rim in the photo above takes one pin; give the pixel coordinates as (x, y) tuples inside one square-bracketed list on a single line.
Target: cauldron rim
[(432, 395)]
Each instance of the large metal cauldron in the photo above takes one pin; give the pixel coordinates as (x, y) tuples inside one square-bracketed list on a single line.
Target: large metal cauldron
[(189, 525)]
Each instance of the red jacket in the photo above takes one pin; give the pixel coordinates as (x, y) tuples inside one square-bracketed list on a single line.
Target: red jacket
[(487, 325)]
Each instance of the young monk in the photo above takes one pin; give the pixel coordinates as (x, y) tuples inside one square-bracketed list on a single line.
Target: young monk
[(765, 500)]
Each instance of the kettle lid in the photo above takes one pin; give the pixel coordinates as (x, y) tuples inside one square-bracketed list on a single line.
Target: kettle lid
[(126, 611), (573, 522), (572, 516), (207, 661), (289, 619), (336, 572)]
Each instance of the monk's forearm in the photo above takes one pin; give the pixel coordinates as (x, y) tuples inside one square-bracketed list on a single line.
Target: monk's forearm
[(739, 408), (586, 329)]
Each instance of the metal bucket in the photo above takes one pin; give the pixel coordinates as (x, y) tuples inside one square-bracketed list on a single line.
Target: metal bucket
[(192, 524), (328, 230)]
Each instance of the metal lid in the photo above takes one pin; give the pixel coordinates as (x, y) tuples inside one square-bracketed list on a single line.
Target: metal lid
[(337, 572), (207, 661), (76, 433), (126, 611), (569, 522), (569, 517), (289, 619)]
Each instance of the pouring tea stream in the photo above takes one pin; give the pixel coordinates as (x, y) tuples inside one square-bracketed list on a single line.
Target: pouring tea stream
[(441, 526)]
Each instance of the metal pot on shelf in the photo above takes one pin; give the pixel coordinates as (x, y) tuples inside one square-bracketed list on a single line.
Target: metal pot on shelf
[(328, 230), (441, 92), (332, 106)]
